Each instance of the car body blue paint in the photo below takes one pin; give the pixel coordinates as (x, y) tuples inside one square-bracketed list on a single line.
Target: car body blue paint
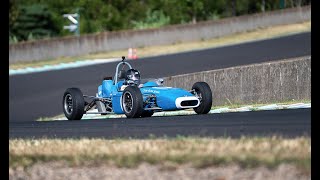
[(116, 103), (165, 96)]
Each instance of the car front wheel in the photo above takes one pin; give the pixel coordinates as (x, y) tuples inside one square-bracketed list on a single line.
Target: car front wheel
[(132, 102), (203, 92), (73, 104)]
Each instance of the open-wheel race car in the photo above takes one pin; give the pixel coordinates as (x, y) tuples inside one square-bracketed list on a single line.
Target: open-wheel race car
[(126, 93)]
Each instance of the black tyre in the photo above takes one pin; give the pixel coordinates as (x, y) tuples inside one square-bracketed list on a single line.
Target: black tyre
[(73, 104), (203, 92), (147, 113), (132, 102)]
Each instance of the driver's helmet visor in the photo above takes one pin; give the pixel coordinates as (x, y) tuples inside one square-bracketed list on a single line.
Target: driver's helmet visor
[(134, 76)]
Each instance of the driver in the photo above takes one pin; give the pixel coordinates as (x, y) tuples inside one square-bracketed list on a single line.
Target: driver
[(132, 78)]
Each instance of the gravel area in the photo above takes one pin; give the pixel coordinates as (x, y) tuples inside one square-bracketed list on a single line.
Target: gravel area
[(55, 171)]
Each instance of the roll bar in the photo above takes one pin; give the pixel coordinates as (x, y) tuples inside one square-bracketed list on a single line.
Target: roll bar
[(115, 79)]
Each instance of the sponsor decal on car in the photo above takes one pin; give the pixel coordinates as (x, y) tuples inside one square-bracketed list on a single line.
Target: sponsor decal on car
[(151, 91)]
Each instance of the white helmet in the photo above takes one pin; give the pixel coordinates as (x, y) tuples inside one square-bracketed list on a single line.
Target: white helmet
[(133, 75)]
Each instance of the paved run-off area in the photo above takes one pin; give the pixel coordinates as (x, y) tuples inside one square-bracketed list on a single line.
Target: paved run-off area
[(287, 122)]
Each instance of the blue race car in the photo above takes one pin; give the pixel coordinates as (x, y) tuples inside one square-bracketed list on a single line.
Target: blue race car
[(127, 94)]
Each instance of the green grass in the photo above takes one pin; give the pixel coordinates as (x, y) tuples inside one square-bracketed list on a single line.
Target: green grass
[(255, 105), (248, 152)]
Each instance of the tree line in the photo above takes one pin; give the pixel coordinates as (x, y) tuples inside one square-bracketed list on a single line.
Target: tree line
[(38, 19)]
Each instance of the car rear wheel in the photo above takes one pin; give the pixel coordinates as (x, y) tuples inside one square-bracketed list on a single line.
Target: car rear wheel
[(73, 104), (132, 102), (203, 92)]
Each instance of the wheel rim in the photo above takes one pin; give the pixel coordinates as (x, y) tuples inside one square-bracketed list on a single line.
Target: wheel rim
[(68, 104), (127, 102), (198, 95)]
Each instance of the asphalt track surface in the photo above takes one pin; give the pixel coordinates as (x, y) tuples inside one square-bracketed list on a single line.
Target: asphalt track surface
[(40, 94), (285, 123)]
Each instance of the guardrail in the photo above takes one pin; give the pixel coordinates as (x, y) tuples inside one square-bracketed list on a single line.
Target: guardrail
[(108, 41), (270, 82)]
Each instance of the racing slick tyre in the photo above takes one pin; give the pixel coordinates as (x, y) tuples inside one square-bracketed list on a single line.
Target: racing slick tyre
[(147, 113), (132, 102), (73, 104), (203, 92)]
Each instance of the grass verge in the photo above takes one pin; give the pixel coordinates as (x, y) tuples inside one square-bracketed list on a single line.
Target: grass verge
[(258, 34), (255, 105), (248, 152)]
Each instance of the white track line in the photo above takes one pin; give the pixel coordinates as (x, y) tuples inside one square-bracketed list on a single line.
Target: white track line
[(214, 111), (61, 66)]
